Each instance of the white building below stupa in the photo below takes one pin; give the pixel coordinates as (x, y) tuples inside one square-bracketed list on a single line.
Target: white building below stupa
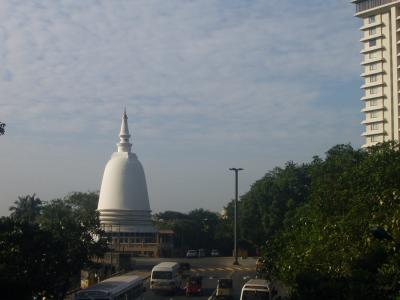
[(124, 205)]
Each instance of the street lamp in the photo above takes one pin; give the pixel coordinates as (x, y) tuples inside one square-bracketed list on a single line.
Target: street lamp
[(236, 170)]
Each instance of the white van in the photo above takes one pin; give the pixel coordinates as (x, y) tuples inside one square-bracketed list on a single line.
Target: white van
[(166, 277), (256, 289)]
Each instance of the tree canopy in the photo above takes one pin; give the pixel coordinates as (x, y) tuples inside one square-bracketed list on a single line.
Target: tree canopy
[(197, 229), (315, 223), (329, 229), (44, 246)]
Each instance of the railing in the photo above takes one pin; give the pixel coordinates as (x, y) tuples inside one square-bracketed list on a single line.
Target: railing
[(368, 4)]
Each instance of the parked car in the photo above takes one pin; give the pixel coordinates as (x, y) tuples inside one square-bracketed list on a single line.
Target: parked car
[(214, 252), (191, 253), (224, 289), (202, 253)]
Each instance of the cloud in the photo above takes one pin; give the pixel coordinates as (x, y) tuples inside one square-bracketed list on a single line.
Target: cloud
[(197, 74)]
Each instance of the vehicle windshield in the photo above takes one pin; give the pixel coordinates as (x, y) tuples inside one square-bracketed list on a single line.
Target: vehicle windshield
[(162, 275), (255, 295), (225, 284)]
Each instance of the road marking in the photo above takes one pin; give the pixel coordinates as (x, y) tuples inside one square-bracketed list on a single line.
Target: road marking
[(231, 269)]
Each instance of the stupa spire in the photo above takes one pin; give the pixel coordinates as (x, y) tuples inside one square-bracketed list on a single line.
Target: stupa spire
[(124, 145)]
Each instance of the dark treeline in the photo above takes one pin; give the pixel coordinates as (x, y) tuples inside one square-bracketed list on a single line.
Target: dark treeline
[(197, 229), (44, 245), (315, 221)]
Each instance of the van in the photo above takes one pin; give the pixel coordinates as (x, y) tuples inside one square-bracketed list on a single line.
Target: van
[(166, 277), (256, 289)]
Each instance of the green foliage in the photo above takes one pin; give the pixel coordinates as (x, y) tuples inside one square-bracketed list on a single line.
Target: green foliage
[(197, 229), (44, 246), (26, 209), (272, 202), (315, 221)]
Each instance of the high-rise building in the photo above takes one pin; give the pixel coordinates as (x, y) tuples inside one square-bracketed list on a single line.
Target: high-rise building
[(381, 68)]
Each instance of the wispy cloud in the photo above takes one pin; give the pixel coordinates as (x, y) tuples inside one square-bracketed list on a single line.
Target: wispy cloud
[(204, 73)]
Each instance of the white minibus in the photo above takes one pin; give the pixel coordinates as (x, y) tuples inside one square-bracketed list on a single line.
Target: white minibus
[(166, 277), (256, 289), (127, 287)]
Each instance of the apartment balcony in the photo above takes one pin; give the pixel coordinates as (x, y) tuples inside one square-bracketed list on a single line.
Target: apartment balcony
[(372, 25), (373, 120), (372, 108), (373, 96), (369, 144), (374, 132), (371, 61), (372, 37), (373, 72), (370, 49), (372, 84)]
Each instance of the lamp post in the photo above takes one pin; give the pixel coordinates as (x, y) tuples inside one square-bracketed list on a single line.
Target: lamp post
[(236, 170)]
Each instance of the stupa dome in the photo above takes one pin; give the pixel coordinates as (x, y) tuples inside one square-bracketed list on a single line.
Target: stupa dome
[(124, 184), (124, 202)]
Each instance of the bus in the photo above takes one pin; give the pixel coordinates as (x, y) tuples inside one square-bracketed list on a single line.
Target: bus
[(123, 287), (256, 289), (166, 277)]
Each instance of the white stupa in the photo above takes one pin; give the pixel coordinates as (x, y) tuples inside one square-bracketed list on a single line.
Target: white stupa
[(124, 202)]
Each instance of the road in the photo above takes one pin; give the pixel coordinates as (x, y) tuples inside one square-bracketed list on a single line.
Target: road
[(210, 268)]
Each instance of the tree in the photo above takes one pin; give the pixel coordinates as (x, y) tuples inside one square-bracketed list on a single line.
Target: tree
[(46, 245), (75, 241), (324, 249), (26, 209), (272, 202), (84, 206), (194, 230), (26, 259)]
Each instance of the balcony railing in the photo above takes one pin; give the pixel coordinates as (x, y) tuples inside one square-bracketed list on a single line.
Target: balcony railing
[(368, 4)]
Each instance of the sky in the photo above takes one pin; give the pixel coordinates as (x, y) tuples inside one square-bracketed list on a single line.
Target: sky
[(207, 85)]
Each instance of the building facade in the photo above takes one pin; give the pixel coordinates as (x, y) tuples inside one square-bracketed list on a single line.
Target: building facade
[(381, 69)]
